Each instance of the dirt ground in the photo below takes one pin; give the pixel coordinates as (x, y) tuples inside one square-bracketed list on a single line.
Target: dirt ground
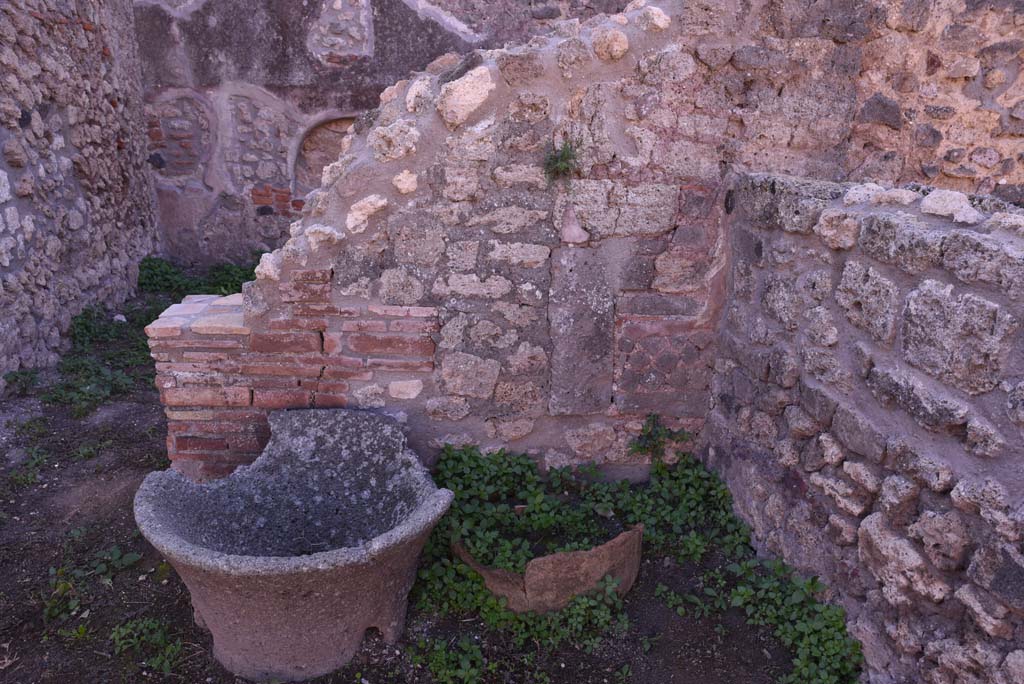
[(66, 487)]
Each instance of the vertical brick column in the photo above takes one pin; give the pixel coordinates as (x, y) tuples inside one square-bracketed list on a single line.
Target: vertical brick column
[(212, 426)]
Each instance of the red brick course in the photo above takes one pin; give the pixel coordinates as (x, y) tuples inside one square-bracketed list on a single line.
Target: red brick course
[(218, 389), (285, 342)]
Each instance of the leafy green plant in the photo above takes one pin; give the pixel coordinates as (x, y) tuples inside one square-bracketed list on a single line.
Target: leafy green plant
[(33, 429), (80, 633), (463, 663), (561, 162), (90, 450), (226, 279), (21, 382), (503, 506), (28, 473), (772, 594), (108, 358), (692, 547), (149, 639), (507, 513), (105, 564), (655, 437), (64, 599), (649, 642), (85, 384), (159, 276)]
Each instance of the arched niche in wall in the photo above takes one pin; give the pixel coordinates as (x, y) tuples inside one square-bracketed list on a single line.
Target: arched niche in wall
[(320, 146)]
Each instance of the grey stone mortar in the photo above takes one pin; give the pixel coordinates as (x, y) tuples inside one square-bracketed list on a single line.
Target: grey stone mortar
[(331, 488)]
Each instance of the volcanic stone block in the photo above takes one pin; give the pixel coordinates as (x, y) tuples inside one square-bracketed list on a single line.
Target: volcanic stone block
[(897, 564), (986, 259), (582, 330), (869, 299), (963, 340), (901, 240), (1000, 569), (291, 559), (932, 410), (608, 209), (881, 110)]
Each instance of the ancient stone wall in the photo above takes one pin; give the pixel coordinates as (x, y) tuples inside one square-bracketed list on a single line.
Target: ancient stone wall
[(923, 90), (576, 306), (940, 98), (554, 315), (867, 412), (75, 198), (242, 99), (439, 275)]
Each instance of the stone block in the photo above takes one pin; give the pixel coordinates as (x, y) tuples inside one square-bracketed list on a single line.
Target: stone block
[(463, 96), (955, 205), (447, 408), (897, 564), (783, 367), (901, 240), (468, 375), (988, 614), (782, 300), (962, 340), (783, 203), (977, 258), (879, 109), (581, 315), (999, 568), (606, 209), (926, 470), (869, 300), (681, 270), (844, 493), (837, 228), (858, 434), (897, 499), (945, 537), (932, 410), (817, 403)]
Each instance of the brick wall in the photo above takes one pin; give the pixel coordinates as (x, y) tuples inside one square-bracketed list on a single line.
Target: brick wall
[(218, 378)]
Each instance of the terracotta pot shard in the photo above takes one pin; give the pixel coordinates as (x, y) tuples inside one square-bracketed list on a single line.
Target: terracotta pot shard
[(551, 582)]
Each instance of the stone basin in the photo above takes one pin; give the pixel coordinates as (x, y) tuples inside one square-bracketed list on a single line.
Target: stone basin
[(291, 559)]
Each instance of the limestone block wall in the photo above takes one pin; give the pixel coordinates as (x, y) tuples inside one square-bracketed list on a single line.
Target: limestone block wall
[(560, 313), (75, 197), (904, 90), (867, 412)]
